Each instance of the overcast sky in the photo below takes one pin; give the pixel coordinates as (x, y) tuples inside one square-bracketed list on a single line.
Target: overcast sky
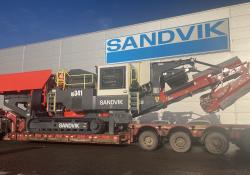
[(29, 21)]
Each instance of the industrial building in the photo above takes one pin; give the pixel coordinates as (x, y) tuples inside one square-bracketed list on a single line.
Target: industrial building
[(211, 36)]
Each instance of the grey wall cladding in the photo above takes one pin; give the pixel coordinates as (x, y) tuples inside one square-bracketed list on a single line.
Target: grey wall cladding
[(11, 60), (42, 56), (83, 51)]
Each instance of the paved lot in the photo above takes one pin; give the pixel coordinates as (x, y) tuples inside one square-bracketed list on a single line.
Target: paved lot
[(67, 159)]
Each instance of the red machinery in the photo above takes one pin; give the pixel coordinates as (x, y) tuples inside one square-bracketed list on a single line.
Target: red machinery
[(24, 81), (222, 94)]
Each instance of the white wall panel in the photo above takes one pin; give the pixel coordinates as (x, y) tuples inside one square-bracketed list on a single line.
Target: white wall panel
[(42, 49), (84, 60), (11, 62), (94, 42), (195, 18), (48, 62), (242, 44), (243, 55), (134, 29), (12, 59), (11, 51), (37, 47), (240, 21), (42, 56), (243, 118), (10, 67), (29, 54), (242, 106), (228, 118), (241, 9), (239, 33)]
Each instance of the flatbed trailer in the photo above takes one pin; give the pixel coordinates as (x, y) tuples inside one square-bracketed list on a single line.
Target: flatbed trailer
[(215, 138)]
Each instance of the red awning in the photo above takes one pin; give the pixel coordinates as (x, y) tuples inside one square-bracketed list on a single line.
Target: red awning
[(24, 81)]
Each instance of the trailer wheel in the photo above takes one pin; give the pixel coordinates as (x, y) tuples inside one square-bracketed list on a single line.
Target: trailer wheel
[(216, 143), (148, 140), (180, 142)]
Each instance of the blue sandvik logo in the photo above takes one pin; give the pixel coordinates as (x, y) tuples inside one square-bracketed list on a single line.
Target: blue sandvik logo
[(204, 37)]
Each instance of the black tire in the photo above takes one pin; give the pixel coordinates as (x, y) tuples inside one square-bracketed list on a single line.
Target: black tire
[(148, 140), (180, 142), (216, 143)]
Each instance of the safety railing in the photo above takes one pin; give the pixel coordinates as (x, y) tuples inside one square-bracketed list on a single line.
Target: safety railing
[(88, 79)]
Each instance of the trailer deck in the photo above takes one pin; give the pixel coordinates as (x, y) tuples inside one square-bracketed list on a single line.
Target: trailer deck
[(237, 134), (121, 138)]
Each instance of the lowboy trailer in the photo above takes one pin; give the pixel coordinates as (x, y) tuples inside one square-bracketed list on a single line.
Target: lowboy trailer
[(83, 107)]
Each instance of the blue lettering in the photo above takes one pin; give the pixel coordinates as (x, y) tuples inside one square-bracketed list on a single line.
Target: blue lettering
[(130, 41), (200, 31), (187, 36), (212, 29), (151, 41), (114, 45), (160, 36)]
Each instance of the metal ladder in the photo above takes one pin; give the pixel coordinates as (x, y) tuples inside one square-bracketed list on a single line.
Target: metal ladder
[(51, 101), (134, 95), (134, 102)]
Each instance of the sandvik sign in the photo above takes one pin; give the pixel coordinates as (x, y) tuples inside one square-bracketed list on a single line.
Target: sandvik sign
[(211, 36)]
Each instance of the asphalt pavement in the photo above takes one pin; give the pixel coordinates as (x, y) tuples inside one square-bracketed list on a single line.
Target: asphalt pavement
[(23, 158)]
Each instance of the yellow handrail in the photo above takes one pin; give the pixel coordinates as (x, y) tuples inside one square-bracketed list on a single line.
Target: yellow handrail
[(61, 79)]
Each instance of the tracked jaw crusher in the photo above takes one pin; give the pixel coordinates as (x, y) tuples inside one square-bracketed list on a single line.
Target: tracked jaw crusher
[(78, 101)]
